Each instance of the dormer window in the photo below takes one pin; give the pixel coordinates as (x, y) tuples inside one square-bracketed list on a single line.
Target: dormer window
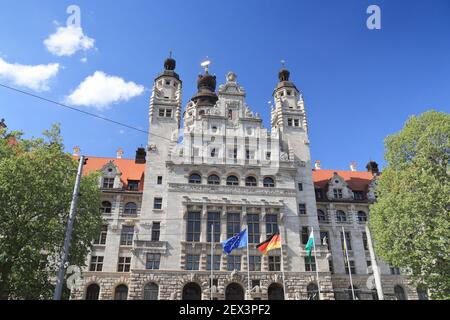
[(108, 183), (133, 185), (319, 193), (289, 92), (358, 195)]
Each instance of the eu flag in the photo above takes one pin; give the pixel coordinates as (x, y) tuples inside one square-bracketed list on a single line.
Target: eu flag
[(238, 241)]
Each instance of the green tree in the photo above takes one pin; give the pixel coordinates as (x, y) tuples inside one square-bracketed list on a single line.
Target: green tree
[(36, 185), (411, 219)]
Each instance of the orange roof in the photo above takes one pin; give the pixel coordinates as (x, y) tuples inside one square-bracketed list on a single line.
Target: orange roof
[(356, 180), (128, 167)]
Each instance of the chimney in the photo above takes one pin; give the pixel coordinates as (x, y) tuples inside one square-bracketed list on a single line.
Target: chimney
[(317, 165), (119, 153), (76, 151), (372, 167), (353, 166), (140, 155)]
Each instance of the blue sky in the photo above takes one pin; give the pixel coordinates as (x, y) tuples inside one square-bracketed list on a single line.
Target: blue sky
[(359, 85)]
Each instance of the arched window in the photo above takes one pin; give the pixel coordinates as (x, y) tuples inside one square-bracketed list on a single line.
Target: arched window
[(192, 291), (130, 208), (356, 291), (399, 293), (313, 291), (213, 179), (232, 181), (275, 292), (121, 292), (106, 207), (195, 178), (268, 182), (151, 291), (92, 292), (234, 291), (250, 181), (341, 216), (321, 216), (362, 216)]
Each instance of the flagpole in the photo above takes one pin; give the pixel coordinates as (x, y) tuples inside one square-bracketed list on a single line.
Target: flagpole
[(212, 260), (282, 269), (316, 262), (375, 269), (248, 268), (348, 263)]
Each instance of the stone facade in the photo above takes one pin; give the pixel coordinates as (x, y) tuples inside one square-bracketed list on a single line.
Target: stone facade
[(222, 168)]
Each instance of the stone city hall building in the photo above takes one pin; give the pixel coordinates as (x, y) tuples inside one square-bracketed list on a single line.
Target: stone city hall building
[(211, 171)]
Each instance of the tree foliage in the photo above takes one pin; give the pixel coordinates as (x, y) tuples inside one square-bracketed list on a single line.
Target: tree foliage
[(411, 219), (36, 185)]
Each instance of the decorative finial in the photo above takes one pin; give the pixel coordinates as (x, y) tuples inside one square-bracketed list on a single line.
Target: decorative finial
[(283, 62), (170, 53), (205, 64)]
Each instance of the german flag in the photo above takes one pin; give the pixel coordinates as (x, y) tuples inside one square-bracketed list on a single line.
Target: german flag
[(272, 243)]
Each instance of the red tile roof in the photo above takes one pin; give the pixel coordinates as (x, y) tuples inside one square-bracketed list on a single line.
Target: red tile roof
[(356, 180), (128, 167)]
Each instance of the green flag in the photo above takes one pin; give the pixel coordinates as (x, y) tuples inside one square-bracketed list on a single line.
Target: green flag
[(310, 244)]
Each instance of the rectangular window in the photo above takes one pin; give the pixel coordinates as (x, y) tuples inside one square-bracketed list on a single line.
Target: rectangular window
[(319, 193), (352, 267), (126, 236), (369, 264), (156, 231), (124, 264), (102, 237), (213, 223), (216, 262), (153, 261), (358, 195), (305, 235), (310, 264), (289, 122), (300, 186), (348, 241), (192, 262), (159, 180), (302, 208), (108, 183), (165, 112), (193, 227), (271, 224), (330, 265), (96, 263), (296, 123), (274, 263), (157, 203), (337, 193), (133, 185), (234, 263), (255, 263), (233, 224), (268, 155), (230, 114), (395, 271), (253, 228), (365, 242)]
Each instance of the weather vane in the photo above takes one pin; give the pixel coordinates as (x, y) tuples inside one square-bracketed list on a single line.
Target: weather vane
[(170, 53), (205, 64)]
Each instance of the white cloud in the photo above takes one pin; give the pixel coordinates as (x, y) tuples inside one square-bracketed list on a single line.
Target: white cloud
[(33, 77), (83, 60), (101, 91), (68, 40)]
